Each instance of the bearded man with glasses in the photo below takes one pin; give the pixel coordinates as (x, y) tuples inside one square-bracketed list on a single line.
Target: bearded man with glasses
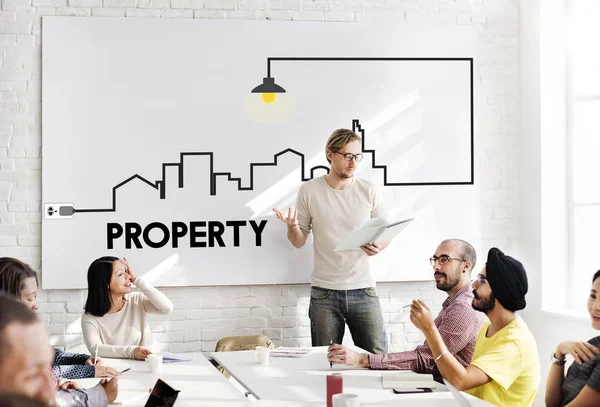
[(457, 322), (343, 289), (505, 370)]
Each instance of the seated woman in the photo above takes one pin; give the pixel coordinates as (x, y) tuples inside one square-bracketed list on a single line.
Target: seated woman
[(581, 385), (115, 321), (20, 281)]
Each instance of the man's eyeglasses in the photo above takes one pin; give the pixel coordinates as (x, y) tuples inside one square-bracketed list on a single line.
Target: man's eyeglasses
[(350, 157), (443, 259), (481, 278)]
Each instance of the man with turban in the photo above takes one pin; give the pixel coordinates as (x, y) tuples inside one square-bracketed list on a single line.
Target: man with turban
[(505, 368)]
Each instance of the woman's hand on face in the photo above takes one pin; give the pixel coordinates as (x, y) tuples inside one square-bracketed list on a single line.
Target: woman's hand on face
[(141, 352), (581, 351), (128, 269)]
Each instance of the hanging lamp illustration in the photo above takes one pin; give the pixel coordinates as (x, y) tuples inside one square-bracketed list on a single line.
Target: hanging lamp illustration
[(268, 90)]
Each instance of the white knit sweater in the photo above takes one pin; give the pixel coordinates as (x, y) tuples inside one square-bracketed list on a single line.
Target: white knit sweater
[(117, 335)]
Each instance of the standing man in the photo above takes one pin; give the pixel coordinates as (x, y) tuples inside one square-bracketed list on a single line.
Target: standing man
[(343, 290), (457, 322), (505, 369)]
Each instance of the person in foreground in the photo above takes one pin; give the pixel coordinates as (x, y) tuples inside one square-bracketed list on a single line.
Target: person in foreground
[(25, 358), (581, 386), (343, 289), (115, 322), (19, 400), (457, 322), (505, 369), (20, 281)]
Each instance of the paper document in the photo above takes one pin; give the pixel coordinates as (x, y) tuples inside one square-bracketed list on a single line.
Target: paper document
[(174, 357), (373, 230), (460, 398), (406, 379), (286, 352)]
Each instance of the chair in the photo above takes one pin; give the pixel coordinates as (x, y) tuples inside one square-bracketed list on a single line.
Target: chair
[(235, 343)]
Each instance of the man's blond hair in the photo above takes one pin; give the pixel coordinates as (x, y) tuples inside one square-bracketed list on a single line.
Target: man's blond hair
[(338, 139)]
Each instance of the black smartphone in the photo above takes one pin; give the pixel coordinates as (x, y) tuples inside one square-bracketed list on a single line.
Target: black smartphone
[(406, 390), (162, 395)]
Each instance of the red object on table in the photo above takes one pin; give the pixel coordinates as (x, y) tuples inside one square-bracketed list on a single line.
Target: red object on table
[(335, 385)]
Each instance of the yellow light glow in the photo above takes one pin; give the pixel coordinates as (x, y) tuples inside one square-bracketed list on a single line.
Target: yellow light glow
[(268, 98)]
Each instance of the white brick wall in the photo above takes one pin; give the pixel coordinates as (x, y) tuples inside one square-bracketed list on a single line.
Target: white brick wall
[(204, 314)]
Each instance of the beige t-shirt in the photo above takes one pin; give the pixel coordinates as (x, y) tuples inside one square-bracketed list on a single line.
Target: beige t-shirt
[(331, 214)]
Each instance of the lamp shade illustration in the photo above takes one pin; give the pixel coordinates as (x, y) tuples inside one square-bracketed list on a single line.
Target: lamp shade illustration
[(268, 90), (269, 103)]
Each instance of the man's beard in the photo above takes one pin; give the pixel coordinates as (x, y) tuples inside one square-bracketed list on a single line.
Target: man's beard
[(484, 304), (449, 284), (341, 174)]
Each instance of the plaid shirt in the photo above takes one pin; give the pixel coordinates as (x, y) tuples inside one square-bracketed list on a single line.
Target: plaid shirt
[(458, 324)]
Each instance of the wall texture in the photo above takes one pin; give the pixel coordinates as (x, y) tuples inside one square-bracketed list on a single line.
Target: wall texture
[(204, 314)]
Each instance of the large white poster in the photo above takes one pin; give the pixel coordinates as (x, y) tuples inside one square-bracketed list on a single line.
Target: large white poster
[(155, 147)]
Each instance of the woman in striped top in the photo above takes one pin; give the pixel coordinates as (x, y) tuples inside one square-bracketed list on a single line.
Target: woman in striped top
[(581, 385)]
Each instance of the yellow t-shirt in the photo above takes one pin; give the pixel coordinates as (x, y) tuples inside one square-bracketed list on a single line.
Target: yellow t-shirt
[(510, 358)]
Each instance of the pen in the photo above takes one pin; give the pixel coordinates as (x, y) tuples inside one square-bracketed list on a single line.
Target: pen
[(126, 370), (406, 306), (330, 363)]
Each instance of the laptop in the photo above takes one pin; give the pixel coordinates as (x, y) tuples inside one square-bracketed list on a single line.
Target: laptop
[(162, 395), (458, 396)]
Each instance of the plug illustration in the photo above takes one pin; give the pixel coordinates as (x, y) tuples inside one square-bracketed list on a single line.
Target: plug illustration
[(59, 211)]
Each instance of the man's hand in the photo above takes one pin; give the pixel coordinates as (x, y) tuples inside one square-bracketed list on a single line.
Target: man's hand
[(111, 388), (90, 361), (141, 352), (105, 371), (581, 351), (69, 386), (420, 315), (341, 355), (371, 249), (290, 218)]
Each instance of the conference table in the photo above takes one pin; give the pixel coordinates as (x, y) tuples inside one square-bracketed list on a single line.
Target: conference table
[(199, 382), (304, 380), (285, 382)]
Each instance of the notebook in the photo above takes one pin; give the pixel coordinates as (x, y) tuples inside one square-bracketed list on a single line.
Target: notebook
[(406, 379), (460, 398)]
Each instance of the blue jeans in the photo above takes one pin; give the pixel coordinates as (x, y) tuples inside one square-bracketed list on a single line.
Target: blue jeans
[(360, 309)]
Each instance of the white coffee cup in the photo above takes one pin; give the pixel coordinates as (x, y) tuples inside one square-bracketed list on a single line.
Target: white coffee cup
[(262, 355), (345, 400), (154, 362)]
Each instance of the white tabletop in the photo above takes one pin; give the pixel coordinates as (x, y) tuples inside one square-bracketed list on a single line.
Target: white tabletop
[(304, 379), (200, 383)]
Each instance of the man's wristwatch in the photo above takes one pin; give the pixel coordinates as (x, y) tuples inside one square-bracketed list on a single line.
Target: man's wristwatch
[(557, 361)]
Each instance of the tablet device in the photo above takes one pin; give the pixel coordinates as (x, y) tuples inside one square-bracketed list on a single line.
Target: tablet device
[(162, 395)]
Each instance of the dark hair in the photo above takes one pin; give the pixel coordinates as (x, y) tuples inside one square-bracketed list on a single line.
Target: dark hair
[(13, 273), (19, 400), (98, 300), (12, 311), (596, 275)]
